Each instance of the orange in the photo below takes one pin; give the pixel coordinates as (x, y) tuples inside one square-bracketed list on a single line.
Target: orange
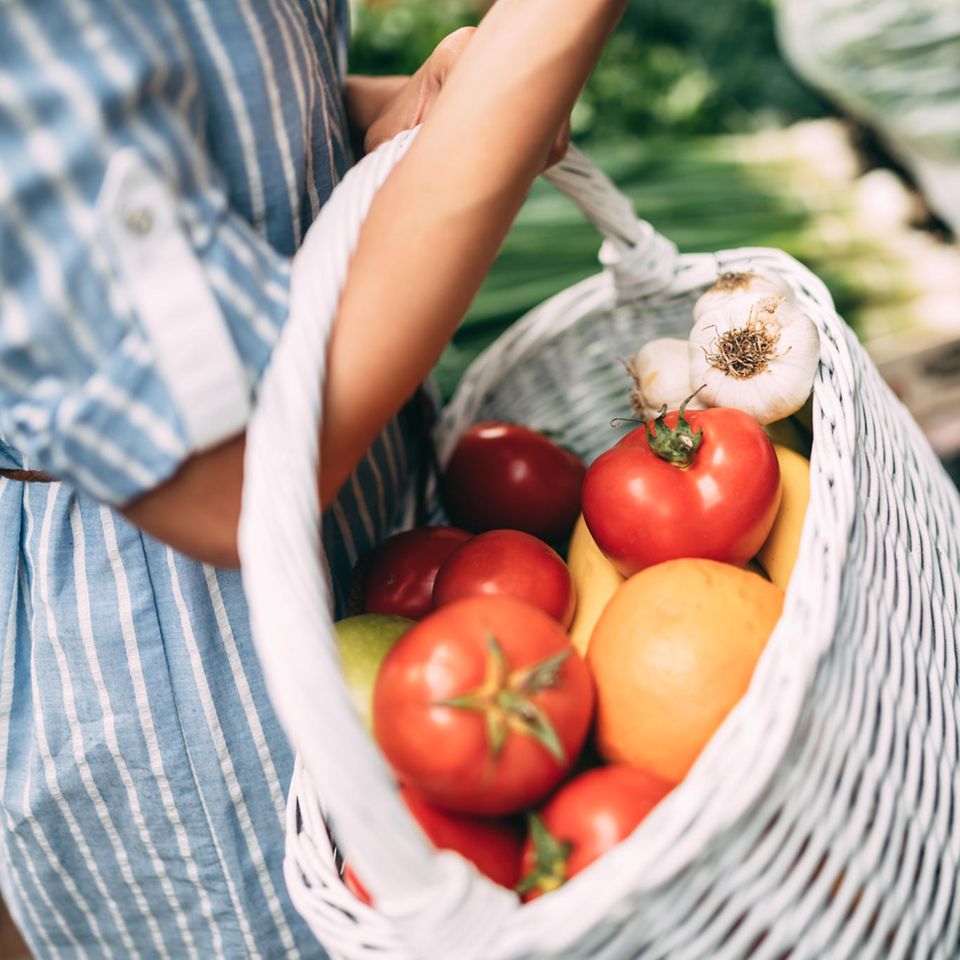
[(671, 655)]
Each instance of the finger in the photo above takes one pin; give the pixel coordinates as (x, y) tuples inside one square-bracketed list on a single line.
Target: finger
[(449, 50), (378, 134), (402, 114), (415, 101), (435, 71)]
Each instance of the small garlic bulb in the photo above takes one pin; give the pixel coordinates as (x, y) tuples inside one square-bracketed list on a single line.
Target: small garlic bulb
[(730, 286), (757, 356), (661, 376)]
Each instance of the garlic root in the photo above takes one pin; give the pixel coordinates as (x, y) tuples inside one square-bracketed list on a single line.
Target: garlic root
[(731, 286), (757, 355)]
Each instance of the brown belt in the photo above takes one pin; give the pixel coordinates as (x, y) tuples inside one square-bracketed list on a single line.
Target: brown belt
[(28, 476)]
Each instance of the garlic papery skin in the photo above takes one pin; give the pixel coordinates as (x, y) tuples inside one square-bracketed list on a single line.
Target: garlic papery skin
[(731, 286), (661, 377), (759, 357)]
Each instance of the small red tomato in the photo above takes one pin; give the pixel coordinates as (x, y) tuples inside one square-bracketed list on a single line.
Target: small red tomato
[(483, 706), (504, 476), (582, 821), (399, 580), (493, 847), (704, 485), (512, 564)]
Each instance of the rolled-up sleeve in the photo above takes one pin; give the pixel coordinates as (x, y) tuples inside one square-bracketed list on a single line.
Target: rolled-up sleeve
[(136, 310)]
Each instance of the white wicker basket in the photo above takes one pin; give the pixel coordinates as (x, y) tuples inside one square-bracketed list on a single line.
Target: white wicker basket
[(821, 819)]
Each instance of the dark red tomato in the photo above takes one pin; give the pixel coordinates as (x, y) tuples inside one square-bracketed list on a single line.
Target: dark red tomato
[(483, 706), (399, 580), (512, 564), (505, 476), (683, 493), (582, 821), (492, 846)]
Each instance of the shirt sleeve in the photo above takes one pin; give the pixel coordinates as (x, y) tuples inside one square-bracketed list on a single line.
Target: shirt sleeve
[(136, 310)]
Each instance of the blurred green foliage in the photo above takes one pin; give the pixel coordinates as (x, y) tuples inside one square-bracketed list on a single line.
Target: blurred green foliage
[(673, 66), (396, 37), (689, 66), (676, 74)]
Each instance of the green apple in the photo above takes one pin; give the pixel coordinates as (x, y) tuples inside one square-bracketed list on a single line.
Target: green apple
[(363, 642)]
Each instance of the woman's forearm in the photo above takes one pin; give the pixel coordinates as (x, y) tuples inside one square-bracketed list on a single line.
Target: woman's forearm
[(435, 227), (428, 242)]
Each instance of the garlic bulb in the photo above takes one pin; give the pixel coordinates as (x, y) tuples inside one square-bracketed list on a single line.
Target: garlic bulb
[(757, 356), (661, 377), (730, 286)]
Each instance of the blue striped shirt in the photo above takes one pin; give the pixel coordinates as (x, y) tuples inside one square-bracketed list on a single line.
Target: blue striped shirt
[(159, 164)]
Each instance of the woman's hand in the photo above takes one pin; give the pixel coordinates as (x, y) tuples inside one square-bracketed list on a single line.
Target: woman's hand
[(437, 223), (382, 107), (430, 237)]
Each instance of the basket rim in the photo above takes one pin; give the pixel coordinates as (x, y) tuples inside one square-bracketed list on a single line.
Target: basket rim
[(779, 666), (273, 531)]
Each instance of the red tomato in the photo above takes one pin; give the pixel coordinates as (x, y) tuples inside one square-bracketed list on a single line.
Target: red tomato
[(505, 476), (492, 847), (582, 821), (508, 563), (643, 509), (399, 580), (483, 706), (352, 882)]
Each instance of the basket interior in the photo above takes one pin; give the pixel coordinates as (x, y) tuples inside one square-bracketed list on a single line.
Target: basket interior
[(573, 386)]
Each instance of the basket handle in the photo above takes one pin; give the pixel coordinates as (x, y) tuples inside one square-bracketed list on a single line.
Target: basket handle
[(440, 906), (640, 260)]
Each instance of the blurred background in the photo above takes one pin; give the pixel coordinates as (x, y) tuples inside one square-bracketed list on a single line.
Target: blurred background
[(828, 128)]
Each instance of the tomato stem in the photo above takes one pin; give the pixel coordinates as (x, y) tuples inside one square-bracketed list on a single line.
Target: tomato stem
[(538, 676), (550, 859), (505, 700), (677, 445), (527, 719)]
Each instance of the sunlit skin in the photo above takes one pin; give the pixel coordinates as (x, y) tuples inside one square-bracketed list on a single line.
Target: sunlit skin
[(494, 105)]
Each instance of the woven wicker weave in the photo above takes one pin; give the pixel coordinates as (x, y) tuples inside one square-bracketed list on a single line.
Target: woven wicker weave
[(821, 819)]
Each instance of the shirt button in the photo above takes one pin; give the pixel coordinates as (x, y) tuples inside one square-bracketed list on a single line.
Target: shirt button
[(138, 220)]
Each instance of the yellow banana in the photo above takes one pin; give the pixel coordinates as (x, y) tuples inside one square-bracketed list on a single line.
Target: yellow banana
[(596, 580), (779, 554)]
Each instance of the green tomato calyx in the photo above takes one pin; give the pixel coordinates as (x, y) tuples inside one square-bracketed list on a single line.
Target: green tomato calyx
[(677, 445), (550, 860), (505, 698)]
